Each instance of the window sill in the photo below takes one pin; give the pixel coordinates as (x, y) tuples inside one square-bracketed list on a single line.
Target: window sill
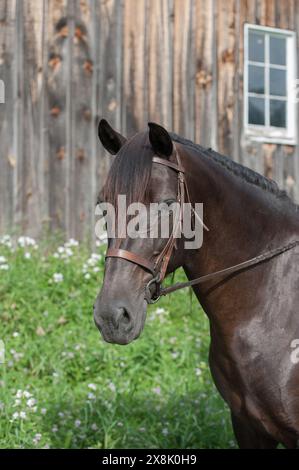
[(271, 139)]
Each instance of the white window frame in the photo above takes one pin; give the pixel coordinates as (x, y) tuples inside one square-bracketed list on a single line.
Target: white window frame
[(264, 133)]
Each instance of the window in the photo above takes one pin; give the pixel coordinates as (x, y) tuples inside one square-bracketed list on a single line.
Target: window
[(270, 84)]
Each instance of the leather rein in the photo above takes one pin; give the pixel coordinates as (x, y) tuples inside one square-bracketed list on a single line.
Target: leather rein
[(158, 267)]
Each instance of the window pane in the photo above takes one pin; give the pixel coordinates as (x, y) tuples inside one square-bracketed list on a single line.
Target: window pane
[(277, 82), (256, 50), (256, 79), (277, 50), (256, 112), (278, 113)]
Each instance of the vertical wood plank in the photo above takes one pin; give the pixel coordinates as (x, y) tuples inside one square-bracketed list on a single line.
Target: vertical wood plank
[(183, 84), (135, 31), (18, 114), (58, 32), (206, 74), (82, 70), (109, 75), (8, 158), (32, 76), (226, 56)]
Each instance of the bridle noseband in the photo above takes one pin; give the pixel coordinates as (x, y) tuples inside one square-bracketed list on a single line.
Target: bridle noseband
[(158, 268)]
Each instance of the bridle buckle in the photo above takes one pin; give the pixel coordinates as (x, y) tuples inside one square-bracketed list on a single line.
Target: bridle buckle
[(148, 295)]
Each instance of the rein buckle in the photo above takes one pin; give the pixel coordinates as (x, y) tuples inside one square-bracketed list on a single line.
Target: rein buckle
[(148, 295)]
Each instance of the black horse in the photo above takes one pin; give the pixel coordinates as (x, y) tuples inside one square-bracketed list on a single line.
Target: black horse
[(252, 312)]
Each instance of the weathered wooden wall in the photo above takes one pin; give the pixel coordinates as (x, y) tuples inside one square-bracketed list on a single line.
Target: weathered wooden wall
[(65, 63)]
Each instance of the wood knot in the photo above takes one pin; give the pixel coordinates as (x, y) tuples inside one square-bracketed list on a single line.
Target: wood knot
[(80, 155), (112, 105), (60, 154), (80, 33), (54, 61), (55, 111), (289, 149), (203, 78), (88, 67), (87, 114), (290, 182), (228, 56), (63, 32)]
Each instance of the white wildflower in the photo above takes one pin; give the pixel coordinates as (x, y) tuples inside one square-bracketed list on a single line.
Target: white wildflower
[(96, 256), (112, 387), (6, 241), (160, 311), (31, 402), (72, 242), (27, 241), (57, 277), (92, 386), (37, 438)]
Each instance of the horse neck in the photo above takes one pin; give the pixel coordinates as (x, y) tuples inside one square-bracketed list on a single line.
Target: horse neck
[(243, 219)]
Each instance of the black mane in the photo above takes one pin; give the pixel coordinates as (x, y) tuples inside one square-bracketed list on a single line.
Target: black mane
[(248, 175)]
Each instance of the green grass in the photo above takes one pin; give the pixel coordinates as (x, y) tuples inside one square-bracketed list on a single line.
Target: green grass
[(154, 393)]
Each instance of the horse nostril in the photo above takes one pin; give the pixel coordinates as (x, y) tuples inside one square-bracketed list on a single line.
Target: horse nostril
[(121, 316), (126, 316)]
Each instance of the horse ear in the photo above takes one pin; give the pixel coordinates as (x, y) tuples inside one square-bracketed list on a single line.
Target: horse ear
[(111, 140), (160, 140)]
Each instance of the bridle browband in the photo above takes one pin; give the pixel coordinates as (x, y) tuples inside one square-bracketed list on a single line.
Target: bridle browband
[(158, 267)]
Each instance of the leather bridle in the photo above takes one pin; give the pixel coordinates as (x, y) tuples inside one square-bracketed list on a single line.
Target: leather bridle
[(158, 267)]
